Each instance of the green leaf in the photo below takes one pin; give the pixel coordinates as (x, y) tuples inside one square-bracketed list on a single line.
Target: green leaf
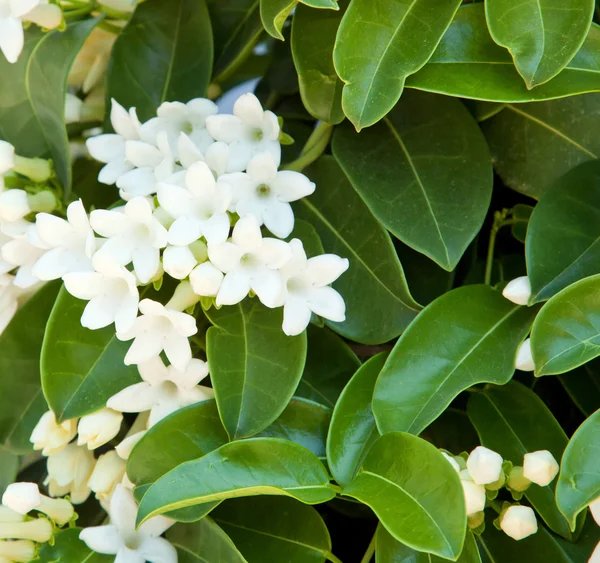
[(563, 238), (81, 368), (410, 503), (67, 547), (424, 171), (187, 434), (329, 365), (32, 95), (266, 528), (579, 480), (566, 333), (313, 38), (388, 550), (21, 400), (512, 420), (533, 145), (9, 468), (353, 430), (380, 43), (467, 336), (583, 386), (541, 38), (273, 14), (255, 367), (482, 111), (467, 51), (165, 53), (348, 229), (257, 466), (303, 422), (521, 215), (203, 542)]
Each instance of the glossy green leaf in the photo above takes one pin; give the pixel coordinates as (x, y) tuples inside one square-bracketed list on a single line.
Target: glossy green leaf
[(21, 400), (468, 64), (165, 53), (81, 368), (273, 14), (303, 422), (583, 386), (257, 466), (424, 171), (579, 480), (68, 548), (330, 364), (9, 468), (467, 336), (353, 430), (482, 111), (187, 434), (521, 215), (409, 502), (255, 367), (389, 550), (203, 542), (541, 35), (566, 333), (533, 145), (512, 420), (313, 38), (347, 228), (275, 528), (563, 239), (32, 95), (380, 43)]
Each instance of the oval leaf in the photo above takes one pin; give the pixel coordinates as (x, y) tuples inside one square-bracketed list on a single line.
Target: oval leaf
[(379, 43), (347, 228), (467, 336), (409, 502), (255, 367), (512, 420), (425, 173), (257, 466), (353, 429), (81, 368)]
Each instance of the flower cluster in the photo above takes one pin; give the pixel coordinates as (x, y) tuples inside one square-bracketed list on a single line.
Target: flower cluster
[(483, 473)]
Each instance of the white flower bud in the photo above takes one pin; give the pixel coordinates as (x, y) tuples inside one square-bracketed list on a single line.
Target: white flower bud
[(109, 471), (540, 467), (518, 290), (21, 551), (452, 462), (126, 446), (7, 157), (98, 428), (69, 471), (595, 558), (14, 205), (178, 261), (22, 497), (517, 481), (595, 510), (206, 279), (39, 530), (73, 108), (51, 437), (524, 359), (9, 515), (484, 465), (474, 496), (519, 522)]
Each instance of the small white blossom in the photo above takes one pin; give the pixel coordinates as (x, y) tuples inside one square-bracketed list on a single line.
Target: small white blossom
[(206, 279), (524, 359), (107, 474), (51, 437), (519, 522), (474, 494), (25, 497), (216, 156), (69, 471), (178, 261), (14, 205), (484, 465), (518, 290), (540, 467), (98, 428), (23, 252)]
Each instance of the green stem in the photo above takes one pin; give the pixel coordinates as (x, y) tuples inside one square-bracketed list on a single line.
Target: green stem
[(111, 28), (370, 550), (314, 147), (499, 222), (73, 14), (496, 505), (331, 557)]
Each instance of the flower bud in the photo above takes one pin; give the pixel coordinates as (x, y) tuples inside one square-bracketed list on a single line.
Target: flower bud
[(99, 428), (475, 520), (21, 551), (517, 481), (518, 522), (206, 279), (39, 530), (7, 157), (595, 510), (484, 465), (119, 5), (36, 169), (518, 290), (51, 437), (69, 471), (109, 471), (22, 497), (524, 359), (14, 205), (474, 496), (126, 446), (73, 109), (9, 515), (595, 558), (178, 261), (540, 467), (452, 462)]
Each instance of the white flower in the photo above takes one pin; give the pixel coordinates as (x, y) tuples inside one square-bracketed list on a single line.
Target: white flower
[(107, 474), (484, 465), (160, 329), (13, 13), (265, 193), (178, 261), (518, 290), (110, 148), (595, 510), (51, 437), (540, 467), (19, 550), (199, 209), (39, 530), (306, 289), (23, 252), (25, 497), (71, 243), (69, 471), (595, 558), (111, 291), (249, 132), (164, 390), (175, 118), (14, 205), (524, 359), (206, 279), (216, 156), (474, 494), (73, 107), (91, 63), (519, 522), (98, 428), (120, 537), (134, 235), (7, 157), (250, 262)]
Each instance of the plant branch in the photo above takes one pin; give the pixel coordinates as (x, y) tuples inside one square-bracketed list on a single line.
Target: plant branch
[(370, 550), (500, 220)]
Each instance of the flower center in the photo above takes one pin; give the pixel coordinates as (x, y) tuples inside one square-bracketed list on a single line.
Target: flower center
[(257, 134), (297, 285), (248, 260), (187, 128), (133, 541), (263, 191)]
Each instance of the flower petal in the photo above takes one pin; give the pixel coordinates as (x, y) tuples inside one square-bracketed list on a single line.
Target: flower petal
[(226, 256), (246, 234), (326, 268), (291, 186), (102, 539), (328, 303), (248, 108), (184, 230), (178, 351), (268, 287), (279, 218), (226, 128), (140, 397), (274, 253), (234, 288), (263, 169), (158, 550), (216, 229), (296, 316), (206, 279), (146, 262), (11, 38)]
